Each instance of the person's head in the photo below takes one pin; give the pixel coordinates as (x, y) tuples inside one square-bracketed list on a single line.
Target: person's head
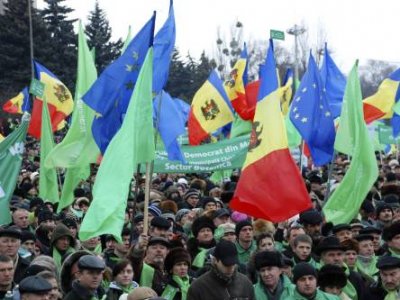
[(228, 232), (90, 271), (209, 204), (157, 250), (51, 278), (384, 213), (159, 226), (391, 235), (35, 288), (203, 230), (138, 221), (265, 242), (20, 218), (183, 216), (142, 293), (62, 238), (221, 216), (269, 264), (389, 272), (123, 273), (342, 232), (46, 217), (225, 258), (350, 252), (356, 226), (302, 246), (365, 245), (177, 262), (72, 225), (123, 247), (10, 241), (331, 251), (192, 197), (244, 231), (6, 272), (292, 232), (28, 241), (305, 278), (311, 221), (376, 234), (332, 279)]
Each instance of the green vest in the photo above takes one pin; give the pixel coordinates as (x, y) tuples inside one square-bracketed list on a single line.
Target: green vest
[(147, 275), (200, 258), (288, 289)]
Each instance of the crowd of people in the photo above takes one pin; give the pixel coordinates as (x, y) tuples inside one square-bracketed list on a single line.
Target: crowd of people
[(196, 247)]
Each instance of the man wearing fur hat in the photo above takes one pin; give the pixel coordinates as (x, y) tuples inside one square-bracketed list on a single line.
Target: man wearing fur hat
[(392, 237), (223, 281), (201, 242), (332, 279), (272, 284), (177, 264)]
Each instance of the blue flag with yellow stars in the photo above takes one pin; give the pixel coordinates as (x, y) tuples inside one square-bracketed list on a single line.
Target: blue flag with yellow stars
[(311, 115), (109, 96)]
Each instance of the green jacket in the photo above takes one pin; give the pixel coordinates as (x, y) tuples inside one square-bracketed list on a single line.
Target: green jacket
[(244, 254), (287, 291), (319, 296)]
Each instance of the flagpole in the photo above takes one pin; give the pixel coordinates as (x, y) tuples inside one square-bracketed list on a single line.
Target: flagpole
[(146, 199), (31, 38), (137, 182), (330, 169)]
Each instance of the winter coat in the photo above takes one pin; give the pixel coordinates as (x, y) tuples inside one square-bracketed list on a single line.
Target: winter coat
[(319, 296), (78, 292), (115, 291), (215, 286), (287, 289)]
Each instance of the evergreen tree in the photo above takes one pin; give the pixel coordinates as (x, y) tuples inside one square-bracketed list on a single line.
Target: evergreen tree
[(63, 41), (15, 66), (99, 35)]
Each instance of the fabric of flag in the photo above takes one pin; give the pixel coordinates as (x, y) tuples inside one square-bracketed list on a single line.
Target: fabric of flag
[(235, 86), (310, 114), (183, 107), (170, 123), (11, 150), (352, 139), (334, 83), (164, 43), (270, 186), (109, 96), (132, 145), (286, 91), (380, 105), (127, 40), (210, 110), (19, 104), (78, 149), (48, 185), (395, 122), (59, 101)]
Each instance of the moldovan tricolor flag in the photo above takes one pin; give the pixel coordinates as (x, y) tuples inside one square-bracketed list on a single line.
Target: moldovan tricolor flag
[(59, 101), (270, 186), (210, 110)]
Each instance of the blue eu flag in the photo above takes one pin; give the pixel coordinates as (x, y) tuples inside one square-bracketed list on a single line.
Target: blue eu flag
[(311, 115), (110, 94)]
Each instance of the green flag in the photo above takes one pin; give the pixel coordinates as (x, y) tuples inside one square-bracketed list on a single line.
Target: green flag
[(352, 139), (294, 137), (11, 149), (48, 186), (133, 144), (240, 127), (78, 149)]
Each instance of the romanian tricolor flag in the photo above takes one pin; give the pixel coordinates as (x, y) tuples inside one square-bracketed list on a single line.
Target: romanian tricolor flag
[(59, 101), (379, 105), (270, 186), (235, 87), (18, 104), (210, 110)]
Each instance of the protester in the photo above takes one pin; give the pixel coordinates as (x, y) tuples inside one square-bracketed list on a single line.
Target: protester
[(122, 280)]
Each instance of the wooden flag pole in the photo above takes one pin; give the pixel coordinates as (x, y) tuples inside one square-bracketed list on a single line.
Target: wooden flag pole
[(147, 199)]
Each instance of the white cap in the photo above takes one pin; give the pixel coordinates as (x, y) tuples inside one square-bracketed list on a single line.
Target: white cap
[(182, 180)]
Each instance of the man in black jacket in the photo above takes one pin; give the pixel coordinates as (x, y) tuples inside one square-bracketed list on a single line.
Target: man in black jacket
[(389, 279), (223, 281)]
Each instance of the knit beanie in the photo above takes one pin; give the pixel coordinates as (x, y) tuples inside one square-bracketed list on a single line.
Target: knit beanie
[(242, 224), (303, 269), (202, 222)]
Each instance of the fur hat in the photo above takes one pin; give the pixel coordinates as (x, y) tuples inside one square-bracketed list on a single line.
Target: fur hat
[(390, 232), (350, 244), (261, 226), (268, 259), (332, 275), (169, 205), (202, 222), (175, 256)]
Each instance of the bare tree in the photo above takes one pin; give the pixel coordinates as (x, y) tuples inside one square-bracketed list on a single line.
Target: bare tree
[(372, 74)]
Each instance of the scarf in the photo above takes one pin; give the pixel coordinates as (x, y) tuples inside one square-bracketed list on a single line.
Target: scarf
[(200, 258), (183, 283), (58, 257)]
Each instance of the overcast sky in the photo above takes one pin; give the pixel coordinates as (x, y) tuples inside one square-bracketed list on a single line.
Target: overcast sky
[(365, 29)]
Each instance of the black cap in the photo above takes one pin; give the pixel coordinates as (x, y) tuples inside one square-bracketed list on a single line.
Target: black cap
[(206, 200), (154, 240), (268, 259), (34, 285), (303, 269), (241, 224), (91, 262), (329, 243), (45, 215), (340, 227), (69, 222), (381, 207), (10, 231), (364, 237), (311, 216), (26, 235), (390, 232), (388, 262), (221, 213), (34, 269), (138, 218), (226, 252), (160, 222), (370, 230)]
